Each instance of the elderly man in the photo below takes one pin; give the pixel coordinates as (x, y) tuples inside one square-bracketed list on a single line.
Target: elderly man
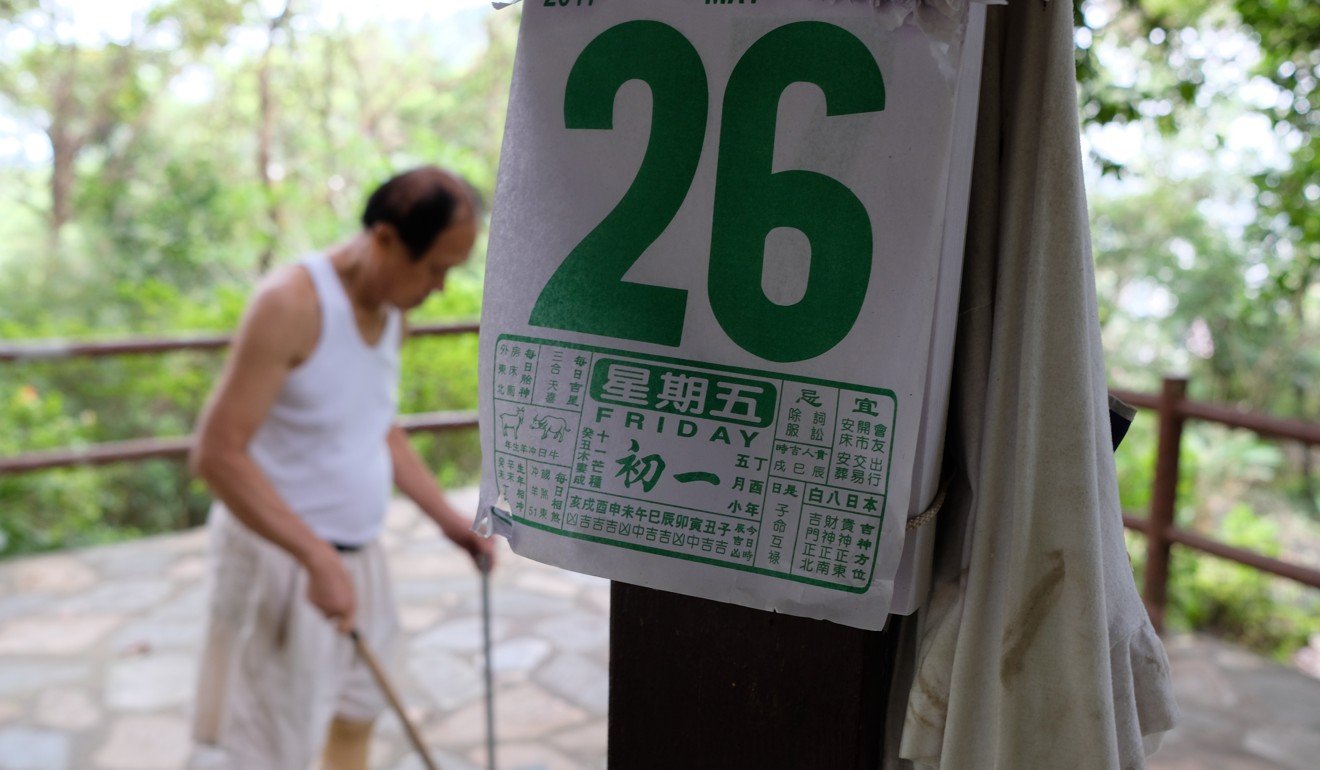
[(299, 446)]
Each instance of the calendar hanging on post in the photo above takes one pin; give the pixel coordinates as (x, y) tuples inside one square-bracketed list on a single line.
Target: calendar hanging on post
[(720, 289)]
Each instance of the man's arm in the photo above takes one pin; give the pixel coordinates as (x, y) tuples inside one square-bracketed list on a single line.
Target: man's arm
[(269, 341), (414, 479)]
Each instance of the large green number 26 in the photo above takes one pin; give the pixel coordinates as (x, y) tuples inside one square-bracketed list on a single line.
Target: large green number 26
[(588, 294)]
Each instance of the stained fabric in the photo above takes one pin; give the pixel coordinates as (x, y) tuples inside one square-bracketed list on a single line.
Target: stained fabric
[(1033, 649)]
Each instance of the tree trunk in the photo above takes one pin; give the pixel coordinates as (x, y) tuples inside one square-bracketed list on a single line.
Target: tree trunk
[(65, 145), (265, 142)]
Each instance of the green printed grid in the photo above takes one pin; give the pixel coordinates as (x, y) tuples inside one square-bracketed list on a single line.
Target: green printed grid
[(594, 351)]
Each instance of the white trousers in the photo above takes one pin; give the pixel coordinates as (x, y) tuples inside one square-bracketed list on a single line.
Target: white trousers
[(274, 670)]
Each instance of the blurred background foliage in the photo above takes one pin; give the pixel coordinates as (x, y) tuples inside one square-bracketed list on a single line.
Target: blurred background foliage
[(1200, 120), (157, 156)]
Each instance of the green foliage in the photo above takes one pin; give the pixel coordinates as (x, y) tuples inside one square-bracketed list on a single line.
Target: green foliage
[(1237, 602), (151, 215), (62, 506), (440, 374), (1229, 491), (218, 137), (1207, 243)]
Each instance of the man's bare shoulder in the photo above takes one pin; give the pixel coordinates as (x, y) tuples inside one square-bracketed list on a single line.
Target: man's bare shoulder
[(284, 311)]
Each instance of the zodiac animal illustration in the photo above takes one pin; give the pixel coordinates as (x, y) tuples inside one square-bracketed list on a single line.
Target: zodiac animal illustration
[(549, 425), (511, 421)]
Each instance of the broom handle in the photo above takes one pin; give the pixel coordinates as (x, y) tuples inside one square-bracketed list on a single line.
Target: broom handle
[(378, 673)]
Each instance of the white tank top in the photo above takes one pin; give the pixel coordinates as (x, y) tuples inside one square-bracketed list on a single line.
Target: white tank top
[(323, 445)]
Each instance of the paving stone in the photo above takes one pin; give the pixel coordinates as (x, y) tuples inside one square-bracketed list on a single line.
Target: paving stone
[(52, 574), (19, 605), (1199, 681), (524, 712), (1240, 712), (599, 599), (441, 758), (518, 603), (427, 544), (519, 655), (1201, 726), (580, 679), (551, 583), (1197, 736), (209, 758), (67, 708), (390, 728), (1233, 659), (28, 748), (156, 633), (415, 620), (121, 596), (381, 750), (19, 677), (462, 634), (189, 568), (436, 591), (190, 604), (55, 634), (587, 581), (526, 756), (429, 566), (446, 680), (1290, 747), (577, 631), (1282, 696), (1202, 759), (588, 740), (151, 683), (155, 742), (194, 541), (144, 558)]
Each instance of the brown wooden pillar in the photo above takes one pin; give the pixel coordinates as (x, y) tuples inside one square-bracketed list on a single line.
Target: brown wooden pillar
[(1164, 498), (701, 684)]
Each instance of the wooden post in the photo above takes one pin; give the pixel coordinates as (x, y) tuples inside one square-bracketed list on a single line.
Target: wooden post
[(702, 684), (1164, 497)]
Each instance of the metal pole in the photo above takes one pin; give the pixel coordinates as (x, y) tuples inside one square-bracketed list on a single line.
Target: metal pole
[(483, 564)]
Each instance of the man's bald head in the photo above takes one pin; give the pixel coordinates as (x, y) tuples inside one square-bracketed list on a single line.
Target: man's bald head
[(420, 204)]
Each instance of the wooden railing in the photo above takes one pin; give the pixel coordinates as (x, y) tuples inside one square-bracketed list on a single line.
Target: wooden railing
[(177, 446), (1173, 410), (1171, 405)]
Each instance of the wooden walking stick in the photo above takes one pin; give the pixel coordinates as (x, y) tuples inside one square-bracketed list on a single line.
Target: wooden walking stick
[(378, 673)]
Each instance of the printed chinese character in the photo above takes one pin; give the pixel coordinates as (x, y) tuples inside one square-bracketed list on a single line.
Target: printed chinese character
[(629, 384), (737, 401), (645, 471), (682, 393)]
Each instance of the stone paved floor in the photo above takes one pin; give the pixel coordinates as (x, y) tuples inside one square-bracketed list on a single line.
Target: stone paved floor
[(1239, 711), (98, 655), (98, 652)]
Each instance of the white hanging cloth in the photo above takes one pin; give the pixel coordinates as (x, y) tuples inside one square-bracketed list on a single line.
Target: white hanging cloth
[(1034, 649)]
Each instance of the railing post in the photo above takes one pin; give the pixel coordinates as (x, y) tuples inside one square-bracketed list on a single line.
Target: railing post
[(1164, 497)]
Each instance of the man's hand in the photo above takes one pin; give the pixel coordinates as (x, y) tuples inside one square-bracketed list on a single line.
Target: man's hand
[(481, 549), (330, 589), (413, 478)]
